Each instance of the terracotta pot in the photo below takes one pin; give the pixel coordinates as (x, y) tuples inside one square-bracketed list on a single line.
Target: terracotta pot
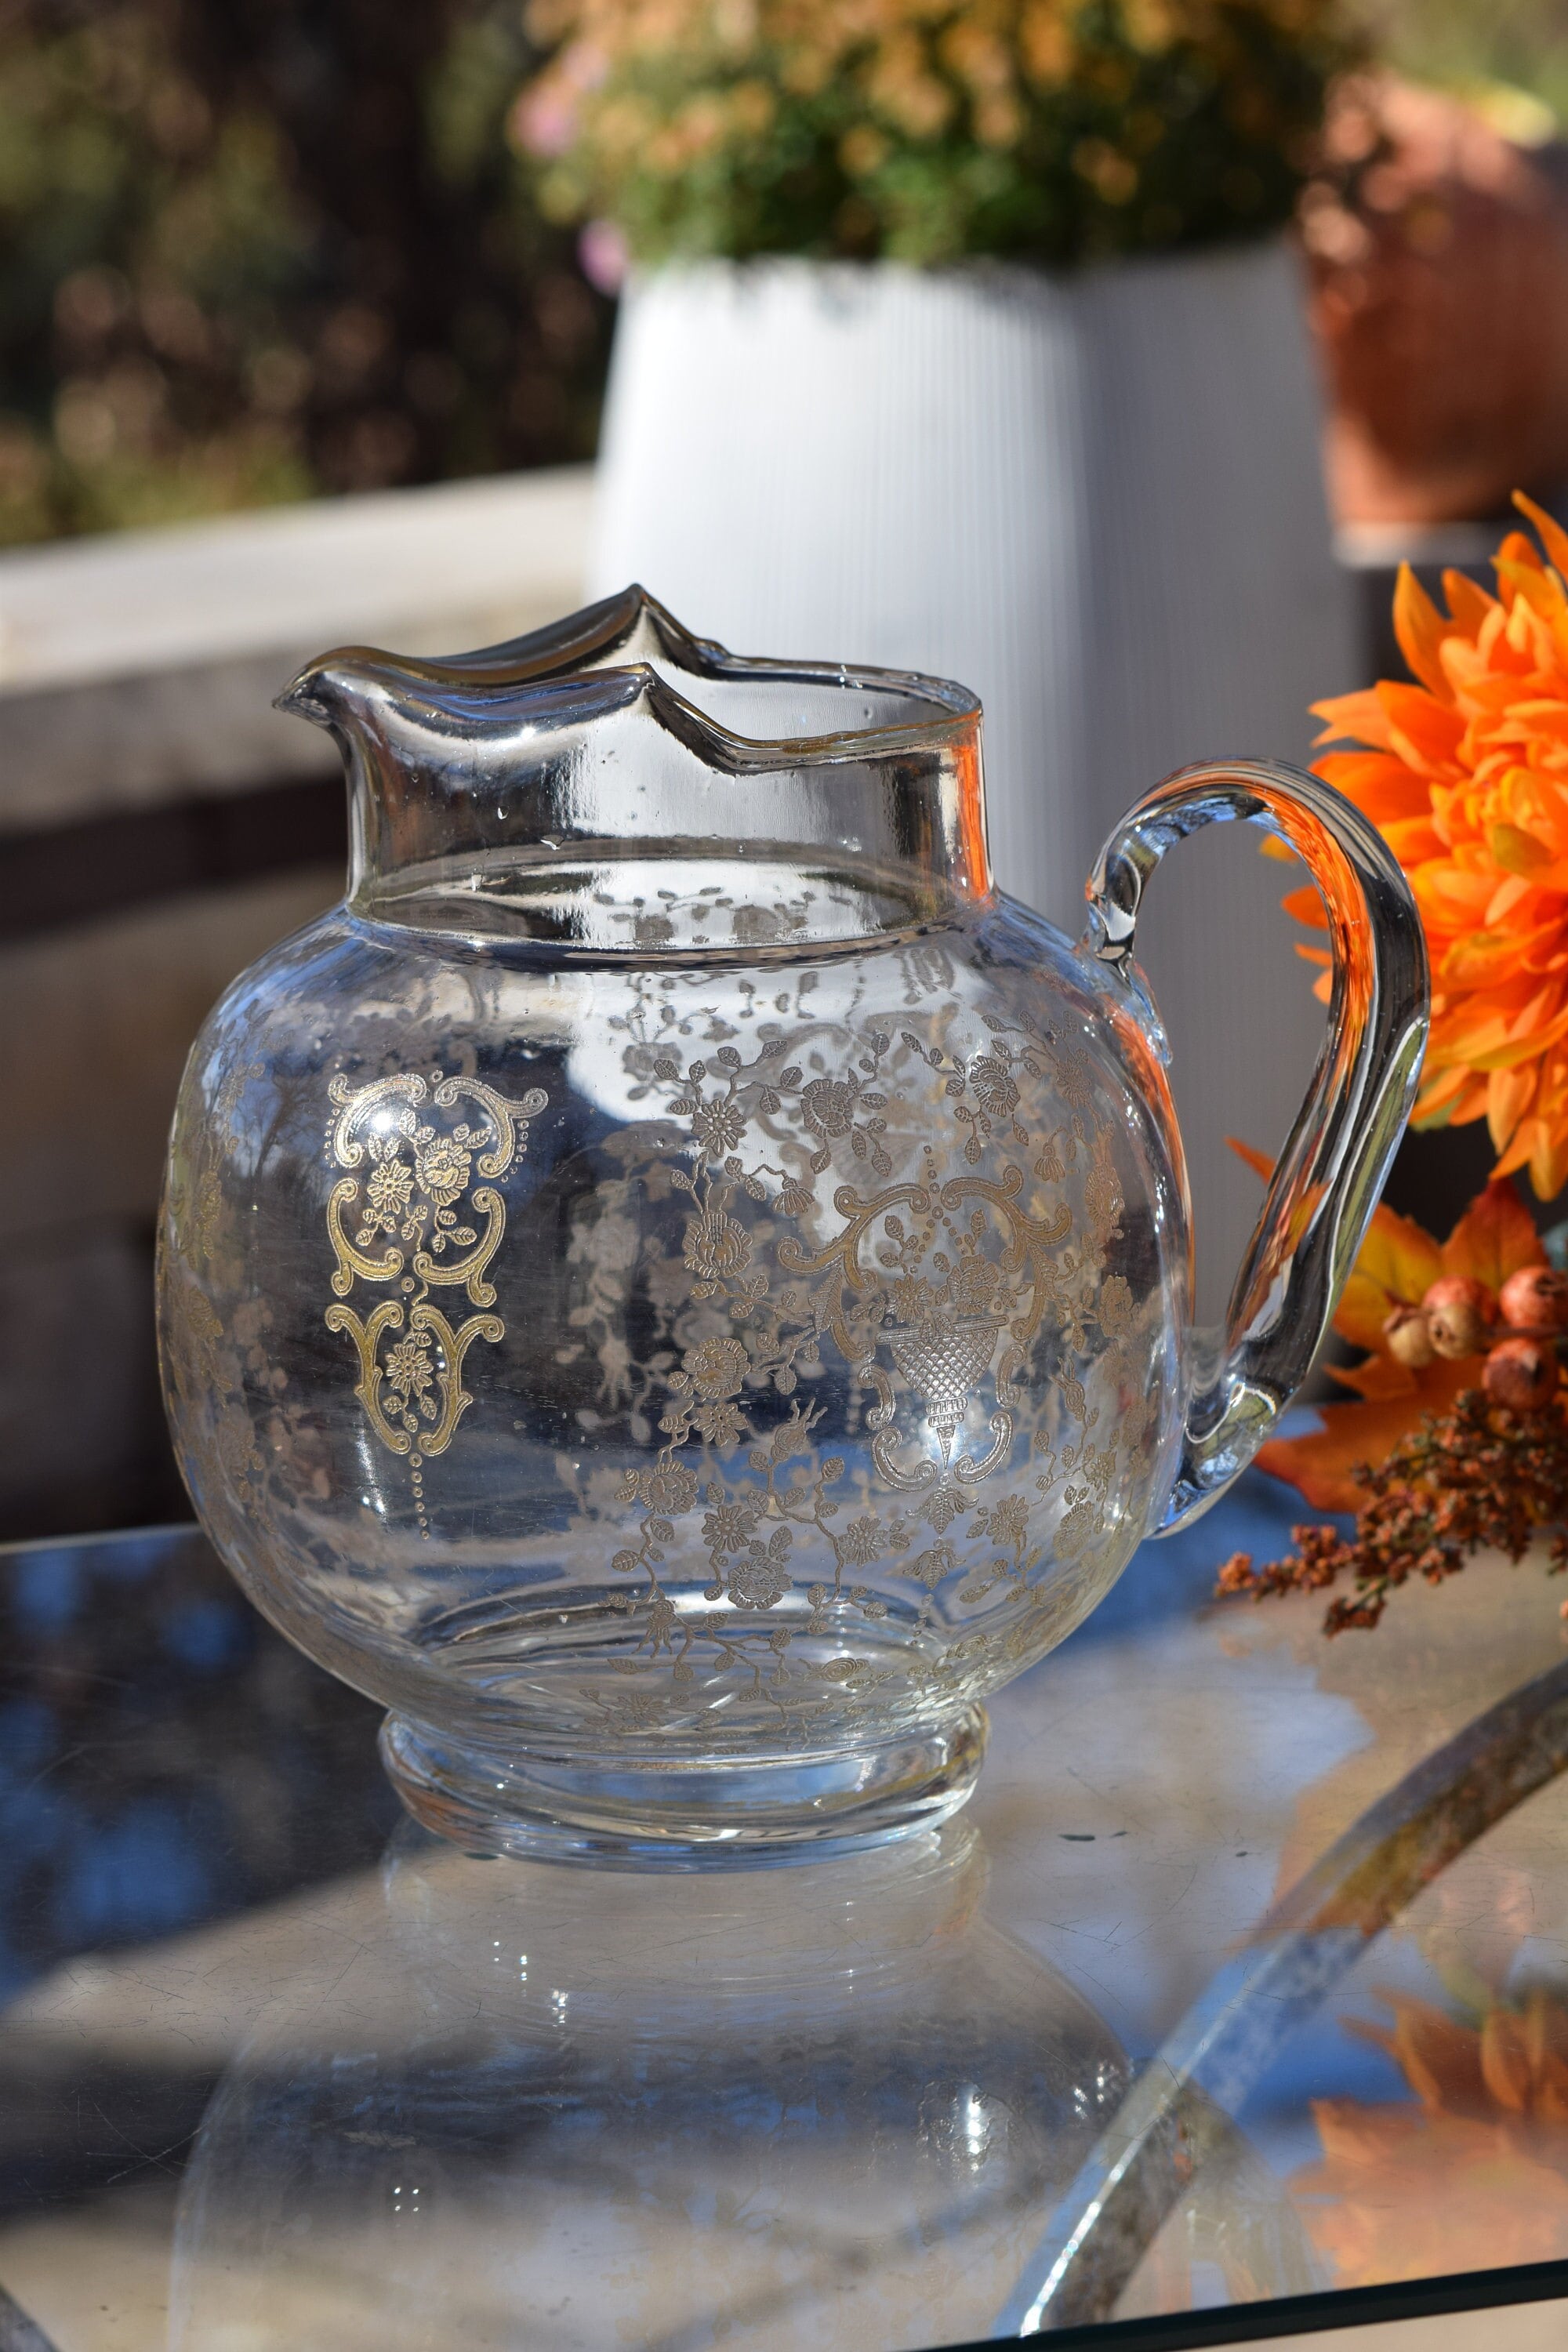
[(1439, 260)]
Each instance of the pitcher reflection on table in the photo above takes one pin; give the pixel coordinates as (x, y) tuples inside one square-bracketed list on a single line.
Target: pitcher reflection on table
[(677, 1287), (827, 2106)]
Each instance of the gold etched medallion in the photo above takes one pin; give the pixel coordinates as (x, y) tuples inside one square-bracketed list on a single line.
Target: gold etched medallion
[(422, 1212)]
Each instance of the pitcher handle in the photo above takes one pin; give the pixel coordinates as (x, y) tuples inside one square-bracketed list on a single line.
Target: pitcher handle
[(1327, 1180)]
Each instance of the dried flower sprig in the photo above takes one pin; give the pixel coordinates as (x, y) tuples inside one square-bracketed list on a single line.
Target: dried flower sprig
[(1432, 1315), (1479, 1477)]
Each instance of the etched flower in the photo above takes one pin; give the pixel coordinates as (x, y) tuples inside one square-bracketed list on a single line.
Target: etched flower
[(442, 1169), (718, 1126), (409, 1372), (828, 1105), (974, 1285), (1007, 1523), (717, 1247), (719, 1424), (1075, 1531), (668, 1489), (727, 1526), (716, 1366), (1103, 1196), (610, 1244), (757, 1582), (913, 1299), (863, 1540), (639, 1713), (1116, 1307), (995, 1088), (388, 1192)]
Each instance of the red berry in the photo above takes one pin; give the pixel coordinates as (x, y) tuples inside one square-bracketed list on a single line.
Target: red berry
[(1535, 1299), (1459, 1313), (1522, 1374), (1409, 1340)]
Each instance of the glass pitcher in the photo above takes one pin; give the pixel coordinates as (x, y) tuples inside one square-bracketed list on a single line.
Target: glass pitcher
[(678, 1288)]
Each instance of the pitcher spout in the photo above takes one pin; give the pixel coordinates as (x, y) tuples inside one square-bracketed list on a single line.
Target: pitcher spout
[(588, 781)]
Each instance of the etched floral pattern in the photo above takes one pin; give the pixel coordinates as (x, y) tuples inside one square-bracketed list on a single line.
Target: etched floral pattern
[(934, 1308), (837, 1330)]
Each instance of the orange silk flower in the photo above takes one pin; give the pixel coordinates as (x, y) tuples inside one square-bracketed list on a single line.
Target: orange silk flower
[(1465, 776)]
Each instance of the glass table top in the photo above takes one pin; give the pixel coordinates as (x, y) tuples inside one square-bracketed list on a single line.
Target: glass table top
[(1243, 1977)]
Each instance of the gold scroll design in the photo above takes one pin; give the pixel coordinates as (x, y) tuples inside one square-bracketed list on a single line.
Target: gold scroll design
[(414, 1396), (944, 1357), (425, 1323)]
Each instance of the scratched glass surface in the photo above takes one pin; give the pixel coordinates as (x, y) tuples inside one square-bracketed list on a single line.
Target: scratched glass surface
[(278, 2071)]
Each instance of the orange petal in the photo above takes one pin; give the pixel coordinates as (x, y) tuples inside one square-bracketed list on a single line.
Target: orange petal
[(1508, 1096), (1420, 629), (1259, 1161), (1468, 605), (1524, 574), (1517, 852), (1440, 1090), (1542, 1146), (1553, 538), (1354, 717), (1440, 2059), (1505, 2060), (1354, 2134), (1424, 732)]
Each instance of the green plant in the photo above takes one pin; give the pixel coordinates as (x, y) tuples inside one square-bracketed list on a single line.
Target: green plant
[(1466, 44), (1052, 130), (280, 246)]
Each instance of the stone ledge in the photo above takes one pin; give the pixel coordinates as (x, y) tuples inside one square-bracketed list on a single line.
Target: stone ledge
[(139, 669)]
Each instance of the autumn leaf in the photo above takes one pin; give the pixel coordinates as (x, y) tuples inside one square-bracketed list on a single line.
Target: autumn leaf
[(1319, 1465), (1494, 1238), (1397, 1265)]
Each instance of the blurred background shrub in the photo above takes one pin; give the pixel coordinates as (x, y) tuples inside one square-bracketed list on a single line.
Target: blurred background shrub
[(1478, 48), (259, 250), (255, 250), (1047, 132)]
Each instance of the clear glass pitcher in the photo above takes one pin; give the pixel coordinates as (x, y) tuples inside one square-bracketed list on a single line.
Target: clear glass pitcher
[(678, 1288)]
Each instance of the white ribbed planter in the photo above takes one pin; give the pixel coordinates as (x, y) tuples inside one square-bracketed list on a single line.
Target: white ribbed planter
[(1097, 498)]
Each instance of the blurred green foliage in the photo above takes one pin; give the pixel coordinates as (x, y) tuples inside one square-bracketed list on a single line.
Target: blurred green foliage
[(254, 250), (1056, 132), (1461, 43)]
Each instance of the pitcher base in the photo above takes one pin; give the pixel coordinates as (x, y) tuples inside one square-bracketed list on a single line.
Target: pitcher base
[(686, 1817)]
